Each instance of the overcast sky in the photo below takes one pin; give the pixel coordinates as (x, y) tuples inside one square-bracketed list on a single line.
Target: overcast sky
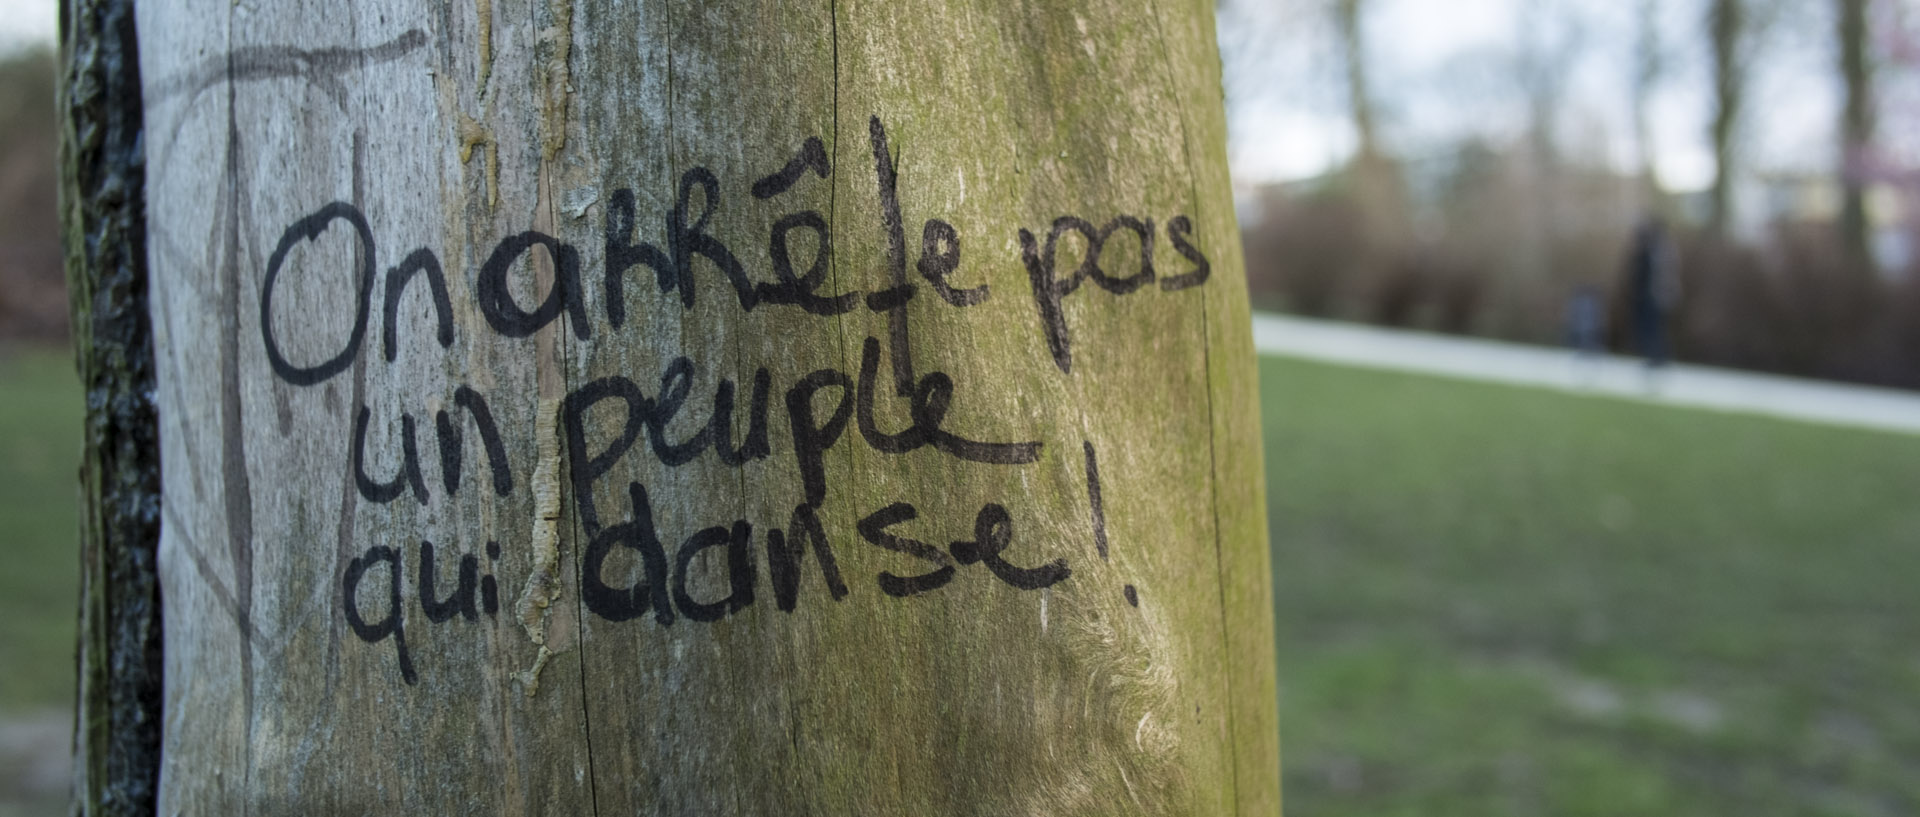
[(1446, 71), (23, 22)]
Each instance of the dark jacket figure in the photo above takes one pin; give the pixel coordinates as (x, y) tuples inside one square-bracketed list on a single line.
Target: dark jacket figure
[(1653, 289)]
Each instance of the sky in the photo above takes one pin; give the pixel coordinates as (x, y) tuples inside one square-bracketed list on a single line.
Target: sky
[(1447, 71), (26, 22)]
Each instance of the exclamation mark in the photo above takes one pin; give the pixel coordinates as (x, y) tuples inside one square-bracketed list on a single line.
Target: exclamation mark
[(1100, 515)]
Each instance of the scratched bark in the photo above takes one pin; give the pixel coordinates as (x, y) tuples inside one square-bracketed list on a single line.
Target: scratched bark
[(1140, 683), (118, 706)]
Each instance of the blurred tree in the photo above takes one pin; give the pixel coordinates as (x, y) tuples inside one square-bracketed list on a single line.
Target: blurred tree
[(1373, 179), (32, 297), (1726, 30), (1543, 208), (1649, 68), (1856, 130), (1548, 46), (1349, 19)]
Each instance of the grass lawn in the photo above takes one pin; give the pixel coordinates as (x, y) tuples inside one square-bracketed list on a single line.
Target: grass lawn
[(1491, 600), (40, 413), (1496, 600)]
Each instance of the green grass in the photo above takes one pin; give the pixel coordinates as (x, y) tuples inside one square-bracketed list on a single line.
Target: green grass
[(1496, 601), (40, 411), (1491, 601)]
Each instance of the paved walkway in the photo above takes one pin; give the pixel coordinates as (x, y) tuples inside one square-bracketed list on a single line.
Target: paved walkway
[(1611, 375)]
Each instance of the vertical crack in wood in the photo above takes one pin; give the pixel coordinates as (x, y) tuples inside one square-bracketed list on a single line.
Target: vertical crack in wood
[(236, 490), (483, 15), (833, 206), (558, 40), (1213, 448), (543, 581)]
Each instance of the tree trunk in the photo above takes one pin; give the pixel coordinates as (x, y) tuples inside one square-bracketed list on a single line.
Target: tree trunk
[(1726, 28), (1350, 19), (762, 407), (1856, 133), (1649, 69)]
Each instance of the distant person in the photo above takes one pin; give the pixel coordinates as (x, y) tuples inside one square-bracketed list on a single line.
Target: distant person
[(1586, 318), (1653, 290)]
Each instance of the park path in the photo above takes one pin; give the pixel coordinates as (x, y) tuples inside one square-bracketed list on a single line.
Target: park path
[(1611, 375), (36, 762)]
